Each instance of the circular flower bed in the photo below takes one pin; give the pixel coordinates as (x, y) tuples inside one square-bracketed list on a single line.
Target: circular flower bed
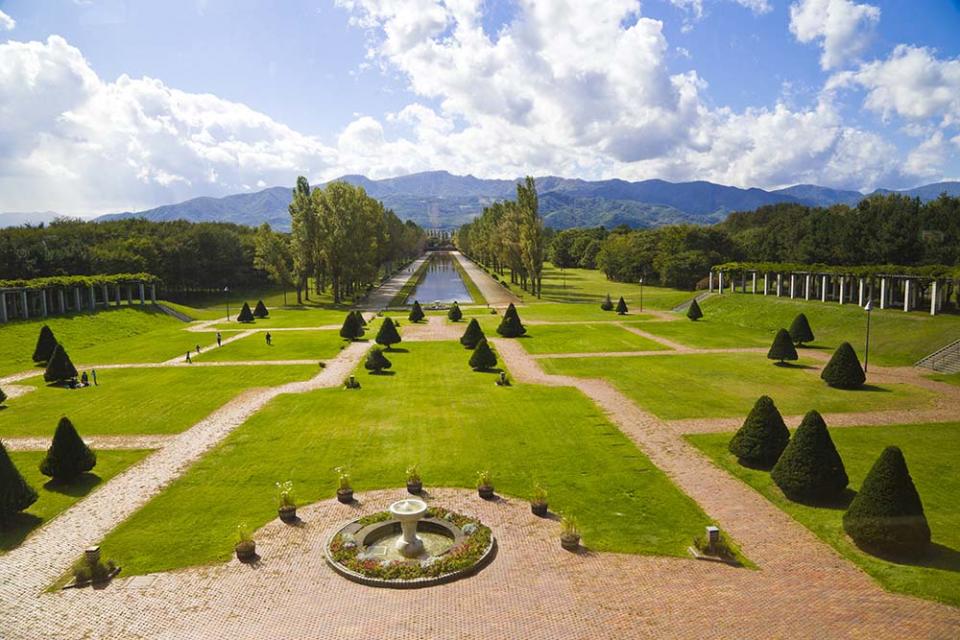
[(472, 546)]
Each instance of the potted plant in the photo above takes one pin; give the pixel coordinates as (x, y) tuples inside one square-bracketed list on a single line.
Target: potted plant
[(485, 485), (344, 488), (245, 547), (569, 534), (538, 504), (414, 482), (286, 502)]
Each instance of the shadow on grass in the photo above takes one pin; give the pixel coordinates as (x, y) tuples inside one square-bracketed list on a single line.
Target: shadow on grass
[(16, 529), (76, 488)]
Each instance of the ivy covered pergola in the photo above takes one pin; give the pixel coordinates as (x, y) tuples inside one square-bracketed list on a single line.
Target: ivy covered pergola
[(888, 286), (42, 297)]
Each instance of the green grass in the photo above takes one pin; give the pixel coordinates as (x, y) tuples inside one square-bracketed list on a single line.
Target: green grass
[(139, 401), (285, 345), (56, 497), (584, 338), (435, 412), (896, 338), (708, 333), (931, 453), (727, 385), (591, 286)]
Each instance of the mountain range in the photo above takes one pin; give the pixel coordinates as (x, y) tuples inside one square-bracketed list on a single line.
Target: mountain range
[(438, 199)]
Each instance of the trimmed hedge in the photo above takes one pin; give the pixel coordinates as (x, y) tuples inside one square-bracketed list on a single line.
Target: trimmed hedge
[(473, 335), (844, 370), (763, 436), (810, 468), (800, 330), (15, 493), (68, 455), (782, 348)]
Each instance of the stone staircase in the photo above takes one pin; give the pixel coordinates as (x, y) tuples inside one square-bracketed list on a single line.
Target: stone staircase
[(945, 360)]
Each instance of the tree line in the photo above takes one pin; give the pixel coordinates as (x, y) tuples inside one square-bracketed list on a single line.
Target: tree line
[(882, 229), (509, 235)]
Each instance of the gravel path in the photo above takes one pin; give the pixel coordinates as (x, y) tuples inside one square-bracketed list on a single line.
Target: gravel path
[(496, 294)]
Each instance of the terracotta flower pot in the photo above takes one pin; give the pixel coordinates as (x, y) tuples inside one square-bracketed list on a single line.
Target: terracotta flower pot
[(570, 542), (345, 495), (485, 492), (287, 513), (415, 487), (539, 509), (246, 550)]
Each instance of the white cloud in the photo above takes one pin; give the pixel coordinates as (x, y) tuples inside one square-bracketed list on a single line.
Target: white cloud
[(6, 22), (843, 27)]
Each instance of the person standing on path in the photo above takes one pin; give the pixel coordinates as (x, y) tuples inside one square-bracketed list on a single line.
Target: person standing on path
[(219, 339)]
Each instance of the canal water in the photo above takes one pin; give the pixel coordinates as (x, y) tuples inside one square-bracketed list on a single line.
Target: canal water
[(442, 282)]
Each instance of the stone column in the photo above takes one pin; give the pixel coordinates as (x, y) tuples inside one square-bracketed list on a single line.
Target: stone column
[(720, 280), (766, 286), (711, 281), (143, 298), (24, 302), (883, 293), (842, 283), (823, 288), (3, 306), (153, 293), (754, 289), (906, 294)]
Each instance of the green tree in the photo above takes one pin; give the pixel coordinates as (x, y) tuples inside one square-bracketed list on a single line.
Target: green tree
[(260, 311), (510, 325), (388, 334), (694, 312), (886, 516), (454, 314), (59, 367), (473, 335), (245, 314), (607, 304), (351, 329), (763, 436), (376, 362), (483, 358), (810, 468), (15, 494), (416, 313), (782, 347), (46, 342), (621, 307), (844, 370), (68, 455), (800, 330)]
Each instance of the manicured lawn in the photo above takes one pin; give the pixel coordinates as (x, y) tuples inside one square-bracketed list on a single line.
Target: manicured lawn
[(726, 385), (584, 338), (708, 333), (104, 337), (931, 453), (135, 401), (559, 312), (435, 412), (591, 286), (55, 498), (896, 338), (285, 345)]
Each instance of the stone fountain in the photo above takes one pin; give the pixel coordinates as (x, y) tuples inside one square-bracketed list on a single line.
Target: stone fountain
[(408, 512)]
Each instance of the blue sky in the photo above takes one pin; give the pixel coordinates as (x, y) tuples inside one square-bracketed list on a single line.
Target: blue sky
[(112, 105)]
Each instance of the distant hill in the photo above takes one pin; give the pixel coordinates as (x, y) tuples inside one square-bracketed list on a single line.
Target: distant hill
[(31, 218), (443, 200)]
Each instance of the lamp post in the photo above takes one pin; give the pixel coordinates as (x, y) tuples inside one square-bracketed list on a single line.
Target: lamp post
[(226, 292), (866, 354), (641, 294)]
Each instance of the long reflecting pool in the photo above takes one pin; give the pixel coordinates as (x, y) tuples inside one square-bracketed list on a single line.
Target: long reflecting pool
[(442, 282)]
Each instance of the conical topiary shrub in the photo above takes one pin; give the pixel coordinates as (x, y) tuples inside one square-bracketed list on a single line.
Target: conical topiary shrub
[(607, 304), (245, 314), (360, 319), (59, 368), (416, 313), (351, 329), (694, 312), (621, 307), (473, 335), (454, 314), (15, 494), (800, 330), (886, 516), (844, 370), (260, 311), (68, 455), (45, 345), (810, 469), (376, 361), (782, 347), (388, 334), (763, 436), (483, 357), (510, 325)]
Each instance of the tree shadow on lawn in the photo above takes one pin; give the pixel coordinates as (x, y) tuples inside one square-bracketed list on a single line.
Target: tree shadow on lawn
[(17, 528), (76, 488)]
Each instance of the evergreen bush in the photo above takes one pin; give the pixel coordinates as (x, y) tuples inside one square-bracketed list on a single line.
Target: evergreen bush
[(782, 347), (59, 368), (621, 307), (473, 334), (245, 314), (388, 334), (510, 325), (763, 436), (810, 469), (454, 313), (483, 358), (376, 361), (68, 455), (45, 345), (351, 329), (260, 311), (844, 370), (694, 312), (607, 304), (416, 313), (886, 516), (800, 330), (15, 494)]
